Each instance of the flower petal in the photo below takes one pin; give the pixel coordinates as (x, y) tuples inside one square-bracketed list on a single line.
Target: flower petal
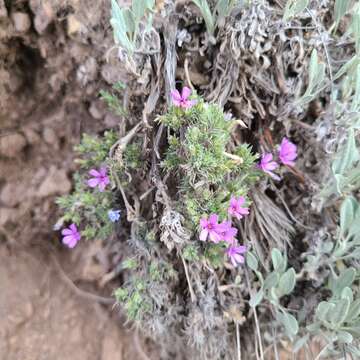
[(93, 182), (66, 232), (213, 219), (67, 239), (204, 234), (185, 93), (94, 173), (175, 95), (203, 222)]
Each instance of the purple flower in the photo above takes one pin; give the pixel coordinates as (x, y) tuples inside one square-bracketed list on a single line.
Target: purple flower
[(236, 209), (267, 165), (71, 236), (287, 152), (182, 100), (234, 254), (210, 228), (100, 179), (226, 231)]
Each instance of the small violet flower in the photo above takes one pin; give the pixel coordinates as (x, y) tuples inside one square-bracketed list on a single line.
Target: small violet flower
[(100, 179), (234, 254), (71, 236), (114, 215), (268, 165), (287, 152), (182, 100), (209, 228), (227, 232), (236, 207)]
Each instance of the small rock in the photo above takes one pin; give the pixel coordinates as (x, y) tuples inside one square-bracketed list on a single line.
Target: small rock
[(13, 193), (11, 145), (50, 137), (44, 15), (56, 182), (7, 215), (95, 111), (3, 11), (87, 71), (21, 21), (73, 25), (32, 136)]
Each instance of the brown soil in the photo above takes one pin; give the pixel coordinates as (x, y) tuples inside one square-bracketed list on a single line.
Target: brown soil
[(51, 69)]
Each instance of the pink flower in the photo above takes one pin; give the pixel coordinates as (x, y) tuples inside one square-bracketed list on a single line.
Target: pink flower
[(267, 165), (233, 252), (183, 99), (226, 232), (71, 236), (236, 209), (100, 179), (210, 228), (287, 152)]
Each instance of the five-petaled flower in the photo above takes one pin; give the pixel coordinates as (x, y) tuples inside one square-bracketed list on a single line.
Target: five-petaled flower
[(114, 215), (226, 231), (234, 254), (182, 100), (71, 236), (209, 228), (287, 152), (236, 207), (100, 179), (268, 165)]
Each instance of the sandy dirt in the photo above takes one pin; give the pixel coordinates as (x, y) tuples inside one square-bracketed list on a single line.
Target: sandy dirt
[(52, 67)]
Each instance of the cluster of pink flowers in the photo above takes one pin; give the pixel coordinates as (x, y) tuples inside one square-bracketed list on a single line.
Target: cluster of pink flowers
[(214, 231), (100, 179), (287, 155)]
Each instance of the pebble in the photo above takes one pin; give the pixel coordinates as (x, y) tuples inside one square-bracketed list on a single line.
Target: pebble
[(73, 25), (44, 15), (21, 20), (3, 11), (50, 137), (32, 136), (11, 145), (13, 193), (96, 111), (55, 183)]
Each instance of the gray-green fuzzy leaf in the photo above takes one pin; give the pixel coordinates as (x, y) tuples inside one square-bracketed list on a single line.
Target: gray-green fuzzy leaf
[(287, 282)]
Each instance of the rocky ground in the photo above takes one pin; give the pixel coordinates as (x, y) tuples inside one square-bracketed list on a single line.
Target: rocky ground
[(51, 68)]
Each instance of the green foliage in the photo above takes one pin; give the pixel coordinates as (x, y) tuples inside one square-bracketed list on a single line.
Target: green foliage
[(216, 17), (132, 155), (341, 7), (126, 22), (346, 244), (197, 153), (112, 100), (294, 7), (214, 254), (316, 79), (190, 253), (88, 207), (94, 150), (133, 300), (338, 318), (278, 283)]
